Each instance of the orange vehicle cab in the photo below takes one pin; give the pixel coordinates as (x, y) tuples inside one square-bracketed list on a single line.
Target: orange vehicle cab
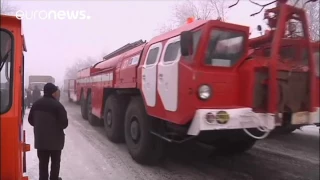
[(13, 147), (197, 82)]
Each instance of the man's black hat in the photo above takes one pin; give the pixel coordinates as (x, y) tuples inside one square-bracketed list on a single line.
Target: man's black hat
[(49, 89)]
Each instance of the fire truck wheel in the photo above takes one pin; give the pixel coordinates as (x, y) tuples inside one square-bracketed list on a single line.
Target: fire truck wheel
[(93, 120), (84, 109), (233, 147), (143, 147), (284, 130), (113, 118)]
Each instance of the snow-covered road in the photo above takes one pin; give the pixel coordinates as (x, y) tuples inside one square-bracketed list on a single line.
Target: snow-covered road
[(88, 155)]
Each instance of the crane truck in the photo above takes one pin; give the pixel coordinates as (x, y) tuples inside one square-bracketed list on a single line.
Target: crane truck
[(204, 81)]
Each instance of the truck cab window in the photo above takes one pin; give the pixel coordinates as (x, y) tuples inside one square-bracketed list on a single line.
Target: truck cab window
[(5, 71), (135, 60), (225, 48), (172, 52), (152, 56), (196, 39)]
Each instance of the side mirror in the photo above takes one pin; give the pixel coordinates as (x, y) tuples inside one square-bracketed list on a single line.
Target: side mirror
[(186, 43)]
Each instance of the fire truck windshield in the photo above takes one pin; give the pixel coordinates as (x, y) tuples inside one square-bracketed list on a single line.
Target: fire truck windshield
[(225, 48), (5, 69)]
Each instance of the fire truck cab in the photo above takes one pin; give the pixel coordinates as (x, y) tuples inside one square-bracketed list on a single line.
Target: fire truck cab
[(12, 145), (180, 85)]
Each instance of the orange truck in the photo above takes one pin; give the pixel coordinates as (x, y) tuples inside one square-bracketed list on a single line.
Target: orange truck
[(13, 146)]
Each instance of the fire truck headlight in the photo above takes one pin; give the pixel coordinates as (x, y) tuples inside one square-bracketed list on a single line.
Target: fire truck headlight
[(204, 92)]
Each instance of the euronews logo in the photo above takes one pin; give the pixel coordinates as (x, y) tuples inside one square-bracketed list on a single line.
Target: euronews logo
[(53, 15)]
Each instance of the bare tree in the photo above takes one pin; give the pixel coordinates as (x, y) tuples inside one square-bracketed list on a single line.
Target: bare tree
[(313, 14), (198, 9), (6, 8), (166, 28), (312, 10), (71, 71)]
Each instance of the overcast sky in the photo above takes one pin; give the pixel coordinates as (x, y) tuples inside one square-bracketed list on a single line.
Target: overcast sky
[(55, 44)]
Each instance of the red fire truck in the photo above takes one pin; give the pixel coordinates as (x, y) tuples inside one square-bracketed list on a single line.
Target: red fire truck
[(198, 82), (13, 147)]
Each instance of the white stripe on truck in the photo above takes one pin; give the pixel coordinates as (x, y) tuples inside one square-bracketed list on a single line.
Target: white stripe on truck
[(98, 78)]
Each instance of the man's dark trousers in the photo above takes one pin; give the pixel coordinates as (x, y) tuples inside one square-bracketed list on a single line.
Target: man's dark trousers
[(44, 158)]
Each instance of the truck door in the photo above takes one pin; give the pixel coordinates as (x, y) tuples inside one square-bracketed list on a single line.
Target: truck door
[(149, 74), (129, 70), (168, 74)]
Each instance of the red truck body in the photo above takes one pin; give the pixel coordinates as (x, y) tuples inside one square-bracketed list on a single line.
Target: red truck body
[(199, 81)]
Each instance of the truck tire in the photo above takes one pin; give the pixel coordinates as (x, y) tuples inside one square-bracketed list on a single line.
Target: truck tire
[(285, 130), (113, 118), (83, 104), (143, 147), (93, 120), (288, 130), (235, 146)]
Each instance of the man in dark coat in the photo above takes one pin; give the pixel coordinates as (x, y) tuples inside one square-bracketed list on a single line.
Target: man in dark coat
[(49, 119), (36, 94)]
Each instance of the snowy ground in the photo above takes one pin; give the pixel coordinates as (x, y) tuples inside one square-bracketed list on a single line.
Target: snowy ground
[(88, 155)]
